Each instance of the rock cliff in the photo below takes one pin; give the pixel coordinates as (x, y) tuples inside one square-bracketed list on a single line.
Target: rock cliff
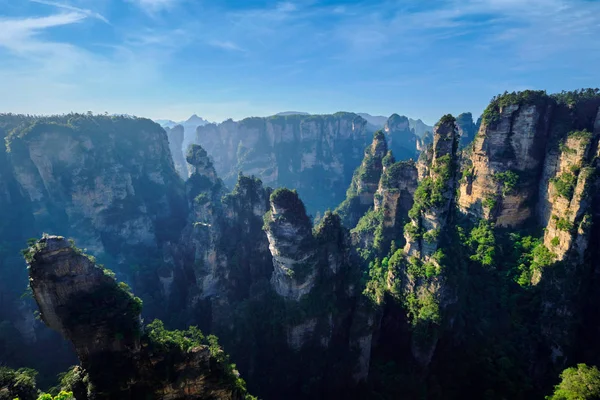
[(294, 151), (510, 147), (120, 358), (424, 276), (292, 246), (360, 196), (110, 182)]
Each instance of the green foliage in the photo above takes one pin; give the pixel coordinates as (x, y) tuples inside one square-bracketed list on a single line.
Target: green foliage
[(482, 242), (431, 236), (491, 115), (531, 256), (290, 202), (415, 268), (490, 200), (584, 134), (563, 224), (446, 119), (578, 383), (178, 341), (388, 159), (423, 308), (413, 231), (555, 241), (507, 179), (17, 384), (565, 184), (467, 175), (61, 396), (571, 98), (165, 340)]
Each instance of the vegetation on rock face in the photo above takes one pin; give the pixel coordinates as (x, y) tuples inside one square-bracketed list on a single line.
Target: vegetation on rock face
[(19, 384), (508, 181), (491, 114), (578, 383)]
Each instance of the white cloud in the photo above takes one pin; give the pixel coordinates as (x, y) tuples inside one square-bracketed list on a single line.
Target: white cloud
[(19, 34), (69, 7)]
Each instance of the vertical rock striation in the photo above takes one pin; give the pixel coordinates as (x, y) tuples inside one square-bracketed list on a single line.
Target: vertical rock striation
[(509, 148)]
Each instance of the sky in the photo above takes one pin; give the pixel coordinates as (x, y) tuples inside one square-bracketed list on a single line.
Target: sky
[(224, 59)]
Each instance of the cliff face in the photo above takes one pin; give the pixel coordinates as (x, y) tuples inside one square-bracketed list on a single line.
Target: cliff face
[(176, 136), (295, 151), (110, 182), (291, 243), (395, 193), (510, 146), (119, 358)]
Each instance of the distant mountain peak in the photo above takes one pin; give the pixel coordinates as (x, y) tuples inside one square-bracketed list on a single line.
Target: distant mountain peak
[(281, 114), (195, 119)]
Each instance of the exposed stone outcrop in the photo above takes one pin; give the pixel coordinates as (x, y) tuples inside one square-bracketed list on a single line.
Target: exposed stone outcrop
[(102, 320), (292, 246), (569, 193), (511, 142), (422, 275), (175, 135), (434, 203), (292, 151), (109, 182), (395, 193), (204, 192)]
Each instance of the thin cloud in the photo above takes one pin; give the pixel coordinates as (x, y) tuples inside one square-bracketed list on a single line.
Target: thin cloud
[(226, 45), (18, 34), (154, 6), (69, 7)]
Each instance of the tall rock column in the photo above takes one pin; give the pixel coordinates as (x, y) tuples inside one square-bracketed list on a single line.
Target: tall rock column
[(365, 182), (418, 276), (204, 192), (289, 231), (502, 174)]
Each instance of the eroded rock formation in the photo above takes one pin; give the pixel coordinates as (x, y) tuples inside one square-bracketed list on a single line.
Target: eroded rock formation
[(119, 358)]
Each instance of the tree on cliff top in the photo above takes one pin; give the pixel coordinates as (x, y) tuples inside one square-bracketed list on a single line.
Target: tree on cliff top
[(580, 383)]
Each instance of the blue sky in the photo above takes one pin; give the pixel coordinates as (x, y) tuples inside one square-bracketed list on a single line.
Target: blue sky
[(220, 59)]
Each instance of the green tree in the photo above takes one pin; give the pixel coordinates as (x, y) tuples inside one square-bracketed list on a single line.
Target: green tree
[(581, 383)]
